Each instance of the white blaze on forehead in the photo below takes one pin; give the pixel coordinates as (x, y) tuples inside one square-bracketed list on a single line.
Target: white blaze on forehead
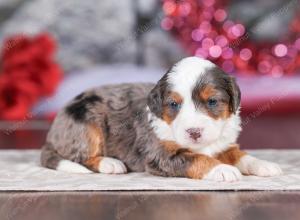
[(186, 72)]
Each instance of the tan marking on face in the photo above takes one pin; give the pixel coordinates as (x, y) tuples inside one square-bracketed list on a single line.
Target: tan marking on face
[(200, 166), (93, 163), (231, 156), (95, 140), (168, 114), (170, 146), (226, 112), (209, 92)]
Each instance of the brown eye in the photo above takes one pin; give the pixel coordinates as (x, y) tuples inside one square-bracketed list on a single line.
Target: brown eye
[(212, 102)]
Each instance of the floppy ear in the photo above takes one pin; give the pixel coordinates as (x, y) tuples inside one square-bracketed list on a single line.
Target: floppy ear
[(235, 94), (156, 96)]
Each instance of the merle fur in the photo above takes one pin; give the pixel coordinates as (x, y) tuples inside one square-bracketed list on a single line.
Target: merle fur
[(78, 109)]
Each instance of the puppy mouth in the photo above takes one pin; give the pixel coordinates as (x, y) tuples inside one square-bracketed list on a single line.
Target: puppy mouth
[(198, 141), (194, 141)]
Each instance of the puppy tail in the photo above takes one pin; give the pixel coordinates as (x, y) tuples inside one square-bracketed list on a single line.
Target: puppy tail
[(51, 159)]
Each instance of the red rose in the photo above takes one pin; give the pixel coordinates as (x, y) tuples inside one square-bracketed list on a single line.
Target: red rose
[(28, 74), (16, 97)]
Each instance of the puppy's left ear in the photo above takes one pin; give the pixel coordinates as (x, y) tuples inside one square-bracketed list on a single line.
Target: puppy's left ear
[(156, 96), (235, 94)]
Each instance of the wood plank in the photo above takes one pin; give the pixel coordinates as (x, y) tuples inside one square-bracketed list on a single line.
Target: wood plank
[(150, 205)]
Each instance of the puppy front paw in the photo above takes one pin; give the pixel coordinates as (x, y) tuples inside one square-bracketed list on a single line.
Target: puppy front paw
[(252, 166), (223, 173), (112, 166)]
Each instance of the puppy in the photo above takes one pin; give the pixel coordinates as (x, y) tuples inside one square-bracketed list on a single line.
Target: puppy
[(184, 126)]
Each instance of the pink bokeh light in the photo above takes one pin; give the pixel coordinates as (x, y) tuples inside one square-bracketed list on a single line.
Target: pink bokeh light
[(197, 35), (200, 52), (280, 50), (221, 41), (227, 53), (207, 43), (167, 24), (246, 54), (220, 15), (228, 66), (238, 30), (215, 51)]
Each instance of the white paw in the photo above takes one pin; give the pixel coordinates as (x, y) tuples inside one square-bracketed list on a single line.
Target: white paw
[(224, 173), (72, 167), (111, 166), (252, 166)]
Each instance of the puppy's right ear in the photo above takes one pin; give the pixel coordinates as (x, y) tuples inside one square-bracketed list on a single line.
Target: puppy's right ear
[(156, 96)]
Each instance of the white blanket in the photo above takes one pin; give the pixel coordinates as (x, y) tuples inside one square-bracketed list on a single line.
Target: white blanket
[(20, 170)]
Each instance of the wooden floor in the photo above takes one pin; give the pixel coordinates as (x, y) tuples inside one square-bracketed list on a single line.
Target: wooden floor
[(150, 205)]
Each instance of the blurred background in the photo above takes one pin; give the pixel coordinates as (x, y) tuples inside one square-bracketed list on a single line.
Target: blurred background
[(52, 50)]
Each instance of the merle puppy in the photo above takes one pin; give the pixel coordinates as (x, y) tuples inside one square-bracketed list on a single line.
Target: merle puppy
[(184, 126)]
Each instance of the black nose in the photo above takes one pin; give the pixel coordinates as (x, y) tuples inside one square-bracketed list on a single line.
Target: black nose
[(194, 133)]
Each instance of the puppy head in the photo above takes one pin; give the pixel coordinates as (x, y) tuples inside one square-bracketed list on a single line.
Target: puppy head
[(197, 101)]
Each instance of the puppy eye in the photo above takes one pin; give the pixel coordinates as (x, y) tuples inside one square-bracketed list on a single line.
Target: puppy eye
[(212, 102), (175, 106)]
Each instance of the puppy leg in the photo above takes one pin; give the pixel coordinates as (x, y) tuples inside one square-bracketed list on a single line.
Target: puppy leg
[(106, 165), (97, 162), (169, 159), (51, 159), (247, 164)]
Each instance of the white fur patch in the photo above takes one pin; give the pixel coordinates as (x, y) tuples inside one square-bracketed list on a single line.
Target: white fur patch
[(186, 72), (111, 166), (223, 173), (229, 135), (71, 167), (160, 127), (252, 166)]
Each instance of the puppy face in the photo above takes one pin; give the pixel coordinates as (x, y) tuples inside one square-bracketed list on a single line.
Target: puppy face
[(196, 101)]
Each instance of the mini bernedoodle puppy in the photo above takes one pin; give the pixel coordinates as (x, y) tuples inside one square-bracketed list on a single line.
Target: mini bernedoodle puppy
[(184, 126)]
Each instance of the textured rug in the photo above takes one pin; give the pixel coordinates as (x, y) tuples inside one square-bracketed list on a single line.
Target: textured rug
[(20, 171)]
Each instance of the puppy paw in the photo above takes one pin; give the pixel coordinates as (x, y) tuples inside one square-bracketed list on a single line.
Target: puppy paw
[(111, 166), (252, 166), (223, 173)]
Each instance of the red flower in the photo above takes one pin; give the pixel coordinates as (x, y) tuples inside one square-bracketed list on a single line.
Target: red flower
[(16, 97), (28, 74)]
